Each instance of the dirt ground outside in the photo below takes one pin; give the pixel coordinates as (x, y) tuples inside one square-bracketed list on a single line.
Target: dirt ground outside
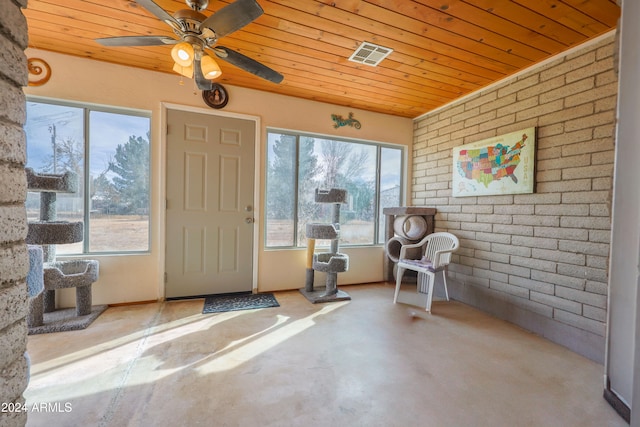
[(280, 232), (110, 233)]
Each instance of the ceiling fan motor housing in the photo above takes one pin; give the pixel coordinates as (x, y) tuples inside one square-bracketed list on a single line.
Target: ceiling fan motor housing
[(197, 5)]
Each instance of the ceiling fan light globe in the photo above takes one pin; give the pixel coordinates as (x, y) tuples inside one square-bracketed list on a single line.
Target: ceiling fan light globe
[(182, 54), (184, 71), (210, 68)]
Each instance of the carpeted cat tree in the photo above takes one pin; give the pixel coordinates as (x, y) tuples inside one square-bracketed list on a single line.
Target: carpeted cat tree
[(78, 273), (332, 262)]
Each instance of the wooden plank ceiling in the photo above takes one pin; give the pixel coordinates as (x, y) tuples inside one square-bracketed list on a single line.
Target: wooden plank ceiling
[(442, 49)]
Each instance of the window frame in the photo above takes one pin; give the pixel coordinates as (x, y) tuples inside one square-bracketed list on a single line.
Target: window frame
[(87, 108), (378, 213)]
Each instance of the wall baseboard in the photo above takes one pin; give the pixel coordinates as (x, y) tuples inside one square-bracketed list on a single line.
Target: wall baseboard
[(585, 343), (616, 403)]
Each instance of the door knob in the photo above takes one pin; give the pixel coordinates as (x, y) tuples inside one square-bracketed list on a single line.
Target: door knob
[(249, 220)]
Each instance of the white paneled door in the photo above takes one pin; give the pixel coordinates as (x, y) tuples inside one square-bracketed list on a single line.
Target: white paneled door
[(209, 212)]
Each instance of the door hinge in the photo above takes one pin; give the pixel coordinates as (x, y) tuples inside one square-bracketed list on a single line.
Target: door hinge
[(166, 278)]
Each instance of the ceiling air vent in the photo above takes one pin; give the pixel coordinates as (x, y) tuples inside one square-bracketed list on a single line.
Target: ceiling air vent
[(370, 54)]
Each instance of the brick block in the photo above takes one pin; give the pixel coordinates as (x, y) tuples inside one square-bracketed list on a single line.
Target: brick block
[(549, 176), (14, 340), (514, 209), (490, 127), (481, 100), (581, 159), (13, 61), (535, 242), (515, 230), (534, 264), (534, 285), (492, 256), (583, 272), (519, 85), (597, 288), (580, 322), (588, 248), (588, 146), (13, 381), (566, 66), (576, 114), (560, 256), (493, 237), (14, 186), (598, 262), (14, 263), (562, 233), (526, 304), (603, 183), (559, 279), (599, 210), (587, 196), (594, 313), (584, 297), (13, 305), (600, 236), (511, 269), (593, 223), (563, 209), (559, 187), (476, 226), (588, 71), (13, 107), (14, 24), (537, 199), (537, 220), (555, 302), (603, 118), (12, 143), (509, 289), (494, 219), (522, 251), (567, 90), (524, 104), (13, 223), (548, 151)]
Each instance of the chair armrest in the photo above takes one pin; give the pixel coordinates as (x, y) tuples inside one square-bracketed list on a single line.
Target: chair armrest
[(403, 248), (436, 257)]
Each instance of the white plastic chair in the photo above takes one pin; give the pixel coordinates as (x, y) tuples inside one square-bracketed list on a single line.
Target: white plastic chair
[(437, 251)]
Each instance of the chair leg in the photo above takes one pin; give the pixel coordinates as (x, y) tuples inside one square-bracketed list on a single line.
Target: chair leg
[(399, 274), (432, 279), (444, 282)]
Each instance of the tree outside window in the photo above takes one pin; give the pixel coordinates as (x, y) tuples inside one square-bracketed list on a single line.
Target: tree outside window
[(298, 164), (109, 150)]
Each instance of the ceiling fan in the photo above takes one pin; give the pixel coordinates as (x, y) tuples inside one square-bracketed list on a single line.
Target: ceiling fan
[(198, 32)]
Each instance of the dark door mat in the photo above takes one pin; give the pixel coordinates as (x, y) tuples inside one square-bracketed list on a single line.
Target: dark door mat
[(222, 303)]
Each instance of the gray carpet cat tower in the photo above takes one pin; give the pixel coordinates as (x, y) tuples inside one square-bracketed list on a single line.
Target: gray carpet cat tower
[(77, 273), (332, 262)]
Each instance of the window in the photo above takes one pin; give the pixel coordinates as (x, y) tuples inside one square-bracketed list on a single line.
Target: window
[(109, 151), (298, 164)]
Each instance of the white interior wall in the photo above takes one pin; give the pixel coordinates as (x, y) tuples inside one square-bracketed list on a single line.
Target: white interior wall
[(622, 337), (131, 278)]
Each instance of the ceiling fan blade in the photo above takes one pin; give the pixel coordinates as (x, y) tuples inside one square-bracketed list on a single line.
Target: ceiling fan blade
[(201, 82), (232, 17), (247, 64), (162, 14), (137, 41)]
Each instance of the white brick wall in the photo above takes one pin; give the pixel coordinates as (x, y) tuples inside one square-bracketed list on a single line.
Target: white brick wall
[(547, 252), (13, 225)]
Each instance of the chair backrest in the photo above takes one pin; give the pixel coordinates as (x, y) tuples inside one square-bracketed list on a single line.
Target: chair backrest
[(441, 241)]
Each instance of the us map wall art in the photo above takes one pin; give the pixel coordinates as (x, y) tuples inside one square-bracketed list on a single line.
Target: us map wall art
[(495, 166)]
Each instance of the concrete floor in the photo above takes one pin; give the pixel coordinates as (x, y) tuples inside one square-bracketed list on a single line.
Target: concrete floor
[(364, 362)]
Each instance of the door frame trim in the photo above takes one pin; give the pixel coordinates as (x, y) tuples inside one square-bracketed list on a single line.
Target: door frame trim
[(164, 107)]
